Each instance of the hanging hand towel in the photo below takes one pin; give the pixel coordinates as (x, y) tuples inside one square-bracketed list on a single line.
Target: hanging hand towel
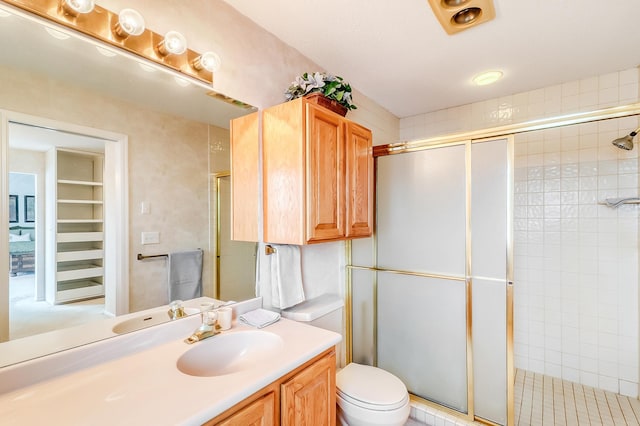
[(286, 276), (259, 318), (263, 275), (185, 275)]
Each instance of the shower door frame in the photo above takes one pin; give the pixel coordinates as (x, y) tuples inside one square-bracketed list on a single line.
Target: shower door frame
[(467, 279), (506, 131)]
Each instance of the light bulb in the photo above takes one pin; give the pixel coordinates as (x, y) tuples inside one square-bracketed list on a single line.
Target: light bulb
[(130, 23), (209, 61), (173, 43), (75, 7)]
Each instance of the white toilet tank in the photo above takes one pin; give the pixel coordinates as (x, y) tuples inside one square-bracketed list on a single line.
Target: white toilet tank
[(324, 311)]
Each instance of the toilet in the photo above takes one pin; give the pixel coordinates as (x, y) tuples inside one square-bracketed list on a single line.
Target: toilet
[(365, 395)]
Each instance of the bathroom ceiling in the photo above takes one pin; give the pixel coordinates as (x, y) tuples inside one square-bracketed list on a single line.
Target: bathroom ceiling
[(396, 52)]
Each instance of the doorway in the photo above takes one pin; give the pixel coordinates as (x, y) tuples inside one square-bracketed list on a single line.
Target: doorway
[(235, 260), (115, 209)]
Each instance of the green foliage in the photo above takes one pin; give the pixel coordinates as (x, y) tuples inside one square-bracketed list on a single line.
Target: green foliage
[(333, 87)]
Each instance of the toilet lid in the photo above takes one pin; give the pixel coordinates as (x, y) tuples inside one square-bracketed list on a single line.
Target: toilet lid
[(370, 387)]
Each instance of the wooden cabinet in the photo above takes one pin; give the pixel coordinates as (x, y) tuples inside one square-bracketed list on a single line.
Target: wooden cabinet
[(75, 249), (260, 412), (317, 175), (309, 398), (244, 178), (305, 396), (359, 171)]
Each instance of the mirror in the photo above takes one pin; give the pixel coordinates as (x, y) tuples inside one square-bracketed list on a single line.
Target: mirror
[(177, 140)]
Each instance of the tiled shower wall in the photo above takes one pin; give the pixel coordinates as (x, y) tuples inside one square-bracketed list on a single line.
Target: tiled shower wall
[(576, 262)]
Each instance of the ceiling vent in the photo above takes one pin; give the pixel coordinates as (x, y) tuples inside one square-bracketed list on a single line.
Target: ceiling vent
[(458, 15)]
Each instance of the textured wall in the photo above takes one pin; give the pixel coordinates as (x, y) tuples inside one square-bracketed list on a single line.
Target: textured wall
[(257, 68), (170, 176)]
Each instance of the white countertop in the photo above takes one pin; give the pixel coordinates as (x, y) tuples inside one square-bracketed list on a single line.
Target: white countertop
[(145, 387), (31, 347)]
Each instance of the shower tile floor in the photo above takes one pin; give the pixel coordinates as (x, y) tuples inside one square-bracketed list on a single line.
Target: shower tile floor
[(547, 401)]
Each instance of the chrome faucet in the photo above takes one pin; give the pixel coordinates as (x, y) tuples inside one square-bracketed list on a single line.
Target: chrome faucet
[(209, 326)]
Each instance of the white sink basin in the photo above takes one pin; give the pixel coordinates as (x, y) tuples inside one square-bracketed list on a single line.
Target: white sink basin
[(144, 321), (229, 353)]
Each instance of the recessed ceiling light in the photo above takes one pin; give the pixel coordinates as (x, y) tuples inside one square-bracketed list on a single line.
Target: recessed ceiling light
[(57, 34), (488, 77)]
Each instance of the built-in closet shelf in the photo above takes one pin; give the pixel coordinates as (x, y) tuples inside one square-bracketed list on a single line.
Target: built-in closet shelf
[(76, 284), (79, 182), (76, 244), (76, 272), (75, 255), (95, 202), (79, 237), (70, 291), (80, 220)]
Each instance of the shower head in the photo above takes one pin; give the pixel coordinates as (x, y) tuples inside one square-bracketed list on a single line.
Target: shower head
[(626, 142)]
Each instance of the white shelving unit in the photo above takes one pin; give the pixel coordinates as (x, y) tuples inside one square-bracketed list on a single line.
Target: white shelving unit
[(76, 252)]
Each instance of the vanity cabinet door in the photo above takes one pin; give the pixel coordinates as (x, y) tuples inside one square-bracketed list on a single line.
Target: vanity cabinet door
[(259, 413), (309, 398)]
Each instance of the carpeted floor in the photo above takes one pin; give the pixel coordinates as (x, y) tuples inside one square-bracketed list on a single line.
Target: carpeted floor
[(28, 317)]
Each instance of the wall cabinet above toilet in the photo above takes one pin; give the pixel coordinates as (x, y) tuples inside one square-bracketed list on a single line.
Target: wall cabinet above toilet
[(317, 175)]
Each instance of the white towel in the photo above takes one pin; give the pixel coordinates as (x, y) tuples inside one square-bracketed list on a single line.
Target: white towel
[(281, 281), (259, 318), (279, 276), (185, 274)]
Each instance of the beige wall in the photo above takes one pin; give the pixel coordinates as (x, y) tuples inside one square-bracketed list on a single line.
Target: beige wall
[(167, 155), (168, 167), (257, 68)]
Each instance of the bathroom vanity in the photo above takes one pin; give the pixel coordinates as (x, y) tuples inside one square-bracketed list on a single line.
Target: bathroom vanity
[(306, 395), (280, 374)]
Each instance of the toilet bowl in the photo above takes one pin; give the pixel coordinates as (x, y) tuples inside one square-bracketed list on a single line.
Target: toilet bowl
[(370, 396), (365, 395)]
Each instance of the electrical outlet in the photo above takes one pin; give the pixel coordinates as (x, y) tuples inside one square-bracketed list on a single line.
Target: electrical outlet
[(150, 237)]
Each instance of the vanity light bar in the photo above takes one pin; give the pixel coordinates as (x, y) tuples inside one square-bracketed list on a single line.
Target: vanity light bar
[(105, 26)]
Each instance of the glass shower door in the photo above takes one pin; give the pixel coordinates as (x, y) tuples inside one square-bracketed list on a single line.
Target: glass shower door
[(422, 319), (442, 284)]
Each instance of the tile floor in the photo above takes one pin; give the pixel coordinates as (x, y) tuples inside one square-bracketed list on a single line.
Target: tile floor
[(547, 401)]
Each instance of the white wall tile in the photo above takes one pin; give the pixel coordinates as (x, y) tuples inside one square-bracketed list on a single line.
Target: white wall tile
[(576, 262), (608, 383), (628, 388)]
